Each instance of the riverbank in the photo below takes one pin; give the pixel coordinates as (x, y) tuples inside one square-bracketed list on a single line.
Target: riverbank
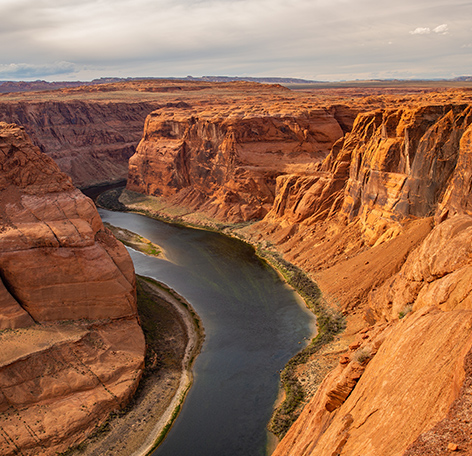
[(306, 370), (174, 336)]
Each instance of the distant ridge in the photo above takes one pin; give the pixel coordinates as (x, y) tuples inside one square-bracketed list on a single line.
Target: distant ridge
[(40, 85), (268, 80)]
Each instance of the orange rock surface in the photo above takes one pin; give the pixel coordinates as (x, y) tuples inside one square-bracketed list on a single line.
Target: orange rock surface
[(366, 189), (90, 140), (72, 347), (225, 162), (407, 388)]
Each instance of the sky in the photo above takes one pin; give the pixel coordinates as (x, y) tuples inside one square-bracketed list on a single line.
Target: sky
[(323, 40)]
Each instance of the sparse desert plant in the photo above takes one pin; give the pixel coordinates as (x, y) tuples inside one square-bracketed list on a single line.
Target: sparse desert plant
[(406, 310), (363, 354)]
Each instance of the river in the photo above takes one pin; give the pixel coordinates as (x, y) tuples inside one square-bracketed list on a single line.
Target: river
[(254, 323)]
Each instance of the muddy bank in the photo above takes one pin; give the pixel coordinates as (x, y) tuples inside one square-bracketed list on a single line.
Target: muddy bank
[(174, 336)]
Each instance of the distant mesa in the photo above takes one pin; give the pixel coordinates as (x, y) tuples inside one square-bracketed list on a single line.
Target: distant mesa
[(41, 85)]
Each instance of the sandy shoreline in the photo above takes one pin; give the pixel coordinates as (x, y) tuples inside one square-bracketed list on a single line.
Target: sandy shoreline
[(195, 339), (144, 423)]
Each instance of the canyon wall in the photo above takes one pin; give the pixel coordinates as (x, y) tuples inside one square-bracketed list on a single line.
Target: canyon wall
[(380, 216), (72, 346), (225, 161), (403, 386), (90, 140)]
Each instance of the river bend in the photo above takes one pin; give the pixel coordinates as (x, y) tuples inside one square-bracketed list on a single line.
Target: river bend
[(254, 324)]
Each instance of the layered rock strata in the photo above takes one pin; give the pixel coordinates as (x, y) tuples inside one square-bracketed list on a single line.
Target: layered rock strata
[(92, 130), (72, 347), (90, 141), (225, 162), (376, 189), (406, 167), (416, 362)]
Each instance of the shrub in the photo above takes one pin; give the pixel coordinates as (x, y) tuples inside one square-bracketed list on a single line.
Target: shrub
[(362, 355), (406, 310)]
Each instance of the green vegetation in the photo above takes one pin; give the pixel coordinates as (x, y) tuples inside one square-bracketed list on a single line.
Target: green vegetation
[(329, 322), (160, 322), (110, 200), (363, 354), (135, 241), (406, 310)]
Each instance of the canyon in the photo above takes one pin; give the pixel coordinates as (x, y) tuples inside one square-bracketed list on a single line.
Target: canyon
[(373, 202), (72, 346), (367, 191)]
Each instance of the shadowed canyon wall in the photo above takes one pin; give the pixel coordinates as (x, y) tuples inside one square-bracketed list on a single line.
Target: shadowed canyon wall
[(72, 347), (90, 141), (380, 216)]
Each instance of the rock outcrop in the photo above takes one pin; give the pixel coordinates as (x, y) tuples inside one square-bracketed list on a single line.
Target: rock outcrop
[(374, 193), (406, 167), (72, 347), (91, 131), (91, 141), (225, 162), (408, 387)]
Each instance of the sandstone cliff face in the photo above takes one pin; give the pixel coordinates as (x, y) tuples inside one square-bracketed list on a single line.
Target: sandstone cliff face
[(418, 367), (90, 141), (72, 348), (404, 167), (406, 389), (394, 167), (394, 164), (225, 162)]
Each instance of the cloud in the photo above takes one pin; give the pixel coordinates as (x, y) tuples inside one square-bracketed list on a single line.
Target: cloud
[(302, 38), (29, 71), (421, 31), (442, 29)]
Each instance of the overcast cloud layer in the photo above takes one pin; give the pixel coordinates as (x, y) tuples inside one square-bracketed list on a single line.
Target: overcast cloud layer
[(311, 39)]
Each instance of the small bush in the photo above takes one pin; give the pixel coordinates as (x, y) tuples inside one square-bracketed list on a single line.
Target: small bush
[(329, 321), (363, 354), (406, 310)]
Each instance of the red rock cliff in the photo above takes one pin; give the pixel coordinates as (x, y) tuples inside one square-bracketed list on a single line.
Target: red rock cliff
[(225, 161), (72, 347), (400, 168), (91, 141)]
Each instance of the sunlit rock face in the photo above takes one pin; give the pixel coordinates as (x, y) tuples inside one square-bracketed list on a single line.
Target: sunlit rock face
[(393, 165), (224, 161), (72, 347), (415, 376), (405, 171)]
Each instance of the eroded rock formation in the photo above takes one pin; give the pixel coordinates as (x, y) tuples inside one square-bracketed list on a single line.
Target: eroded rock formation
[(225, 162), (405, 167), (72, 347), (91, 141)]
